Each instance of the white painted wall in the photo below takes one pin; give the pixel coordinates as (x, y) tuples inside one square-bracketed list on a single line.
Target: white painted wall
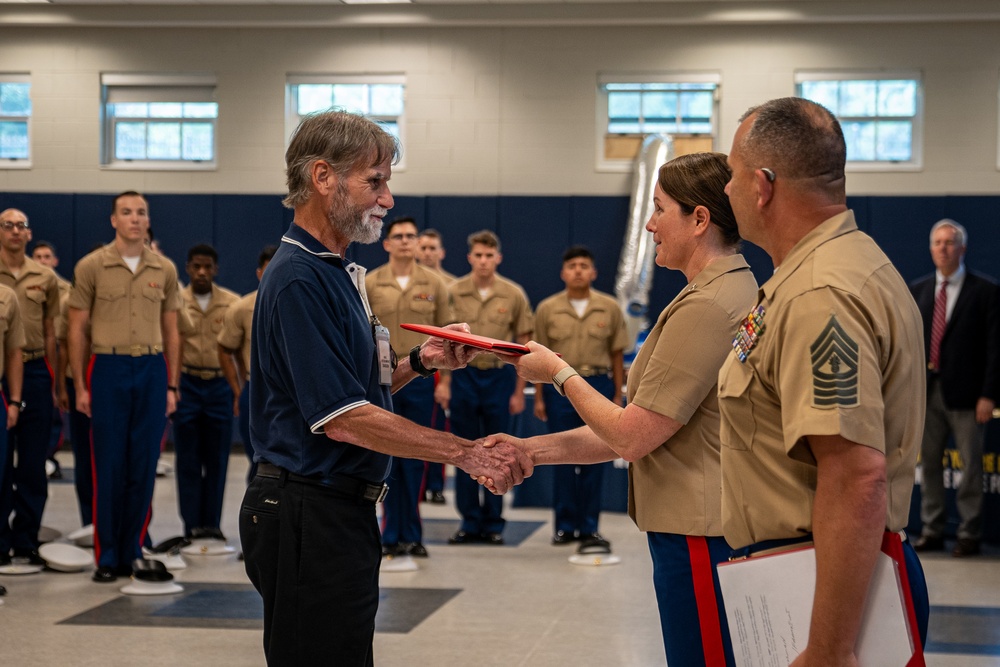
[(492, 110)]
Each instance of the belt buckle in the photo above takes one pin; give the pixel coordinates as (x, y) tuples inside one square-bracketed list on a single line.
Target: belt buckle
[(136, 350), (382, 493)]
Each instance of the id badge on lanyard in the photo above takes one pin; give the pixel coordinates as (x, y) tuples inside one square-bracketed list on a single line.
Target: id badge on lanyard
[(384, 354)]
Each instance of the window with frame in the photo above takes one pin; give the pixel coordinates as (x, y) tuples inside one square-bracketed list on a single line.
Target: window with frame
[(629, 107), (881, 115), (159, 121), (15, 120), (380, 97)]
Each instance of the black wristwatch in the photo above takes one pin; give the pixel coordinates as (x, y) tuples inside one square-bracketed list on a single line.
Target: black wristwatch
[(21, 405), (417, 365)]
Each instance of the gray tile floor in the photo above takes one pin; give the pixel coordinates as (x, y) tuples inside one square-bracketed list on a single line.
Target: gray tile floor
[(522, 604)]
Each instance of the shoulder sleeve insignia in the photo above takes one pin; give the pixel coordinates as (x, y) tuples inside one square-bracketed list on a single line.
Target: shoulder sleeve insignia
[(834, 367)]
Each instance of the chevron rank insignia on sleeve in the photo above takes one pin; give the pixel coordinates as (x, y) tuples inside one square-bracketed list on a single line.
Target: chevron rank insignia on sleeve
[(834, 367)]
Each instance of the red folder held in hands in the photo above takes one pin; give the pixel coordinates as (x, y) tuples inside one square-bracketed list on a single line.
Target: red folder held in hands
[(482, 342)]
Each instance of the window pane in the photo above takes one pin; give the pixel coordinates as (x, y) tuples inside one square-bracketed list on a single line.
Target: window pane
[(201, 110), (860, 138), (129, 110), (391, 127), (314, 97), (130, 141), (351, 96), (14, 140), (696, 106), (897, 98), (197, 141), (694, 128), (895, 140), (623, 128), (165, 109), (623, 105), (659, 127), (857, 98), (387, 99), (164, 141), (822, 92), (659, 107), (15, 99)]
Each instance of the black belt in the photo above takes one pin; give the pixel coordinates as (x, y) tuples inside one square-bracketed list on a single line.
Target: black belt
[(349, 486)]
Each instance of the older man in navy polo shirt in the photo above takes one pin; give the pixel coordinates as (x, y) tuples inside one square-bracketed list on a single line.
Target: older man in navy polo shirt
[(320, 418)]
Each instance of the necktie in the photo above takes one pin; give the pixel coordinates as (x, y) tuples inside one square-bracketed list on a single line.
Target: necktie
[(937, 324)]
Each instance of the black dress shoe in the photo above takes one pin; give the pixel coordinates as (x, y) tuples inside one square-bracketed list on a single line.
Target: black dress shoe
[(31, 556), (462, 537), (927, 543), (564, 537), (392, 550), (4, 559), (416, 549), (495, 539), (104, 575), (3, 591), (593, 543), (965, 547), (437, 498)]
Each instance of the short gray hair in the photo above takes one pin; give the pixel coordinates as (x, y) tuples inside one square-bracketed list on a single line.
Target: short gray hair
[(961, 236), (345, 140)]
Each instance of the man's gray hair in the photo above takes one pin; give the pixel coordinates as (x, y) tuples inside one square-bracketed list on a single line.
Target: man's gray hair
[(961, 236), (345, 140)]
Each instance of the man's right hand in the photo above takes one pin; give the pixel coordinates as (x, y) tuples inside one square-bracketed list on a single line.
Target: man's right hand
[(502, 466), (83, 401)]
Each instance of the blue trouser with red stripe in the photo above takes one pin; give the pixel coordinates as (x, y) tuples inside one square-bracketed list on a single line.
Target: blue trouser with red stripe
[(401, 508), (576, 491), (689, 598), (128, 399), (30, 439), (83, 473), (480, 406), (203, 439)]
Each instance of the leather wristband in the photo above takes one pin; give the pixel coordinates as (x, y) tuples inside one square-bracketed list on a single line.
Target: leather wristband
[(417, 365), (172, 388)]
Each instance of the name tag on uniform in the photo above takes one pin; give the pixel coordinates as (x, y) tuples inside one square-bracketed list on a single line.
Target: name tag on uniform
[(384, 355)]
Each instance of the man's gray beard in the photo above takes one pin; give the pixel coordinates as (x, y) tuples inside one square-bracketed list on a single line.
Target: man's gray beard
[(355, 224)]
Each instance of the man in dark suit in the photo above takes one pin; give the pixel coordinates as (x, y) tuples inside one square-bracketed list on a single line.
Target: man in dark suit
[(961, 314)]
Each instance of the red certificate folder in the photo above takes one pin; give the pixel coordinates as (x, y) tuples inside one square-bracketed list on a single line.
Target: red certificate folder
[(482, 342)]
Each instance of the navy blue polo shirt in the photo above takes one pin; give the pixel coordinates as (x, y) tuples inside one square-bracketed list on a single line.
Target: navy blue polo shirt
[(312, 358)]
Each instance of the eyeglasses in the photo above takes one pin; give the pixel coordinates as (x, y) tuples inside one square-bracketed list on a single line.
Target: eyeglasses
[(770, 174), (403, 237), (8, 226)]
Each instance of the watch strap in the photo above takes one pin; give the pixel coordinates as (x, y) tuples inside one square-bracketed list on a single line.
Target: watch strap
[(560, 378)]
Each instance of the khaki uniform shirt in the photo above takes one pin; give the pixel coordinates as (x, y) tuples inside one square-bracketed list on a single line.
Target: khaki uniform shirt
[(200, 329), (676, 488), (64, 287), (237, 327), (584, 342), (11, 326), (37, 292), (424, 301), (841, 353), (505, 313), (125, 308)]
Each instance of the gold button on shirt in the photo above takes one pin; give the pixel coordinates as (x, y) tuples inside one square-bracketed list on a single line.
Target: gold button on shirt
[(841, 353), (37, 290), (11, 326), (125, 308), (237, 327), (505, 313), (200, 329), (424, 301), (582, 341), (675, 488)]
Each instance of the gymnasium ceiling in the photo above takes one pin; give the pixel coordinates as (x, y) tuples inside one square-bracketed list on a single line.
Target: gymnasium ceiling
[(481, 13)]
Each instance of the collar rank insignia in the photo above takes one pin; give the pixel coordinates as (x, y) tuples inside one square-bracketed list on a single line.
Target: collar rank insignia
[(750, 331)]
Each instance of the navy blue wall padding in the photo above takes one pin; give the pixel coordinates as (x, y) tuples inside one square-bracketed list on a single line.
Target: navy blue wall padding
[(534, 230)]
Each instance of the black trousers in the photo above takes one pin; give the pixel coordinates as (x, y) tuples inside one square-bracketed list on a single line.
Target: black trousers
[(314, 557)]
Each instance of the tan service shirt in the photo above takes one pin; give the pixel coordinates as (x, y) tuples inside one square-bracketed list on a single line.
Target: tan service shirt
[(37, 292), (237, 327), (11, 326), (582, 341), (841, 353), (505, 313), (200, 329), (424, 301), (125, 308), (676, 488)]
